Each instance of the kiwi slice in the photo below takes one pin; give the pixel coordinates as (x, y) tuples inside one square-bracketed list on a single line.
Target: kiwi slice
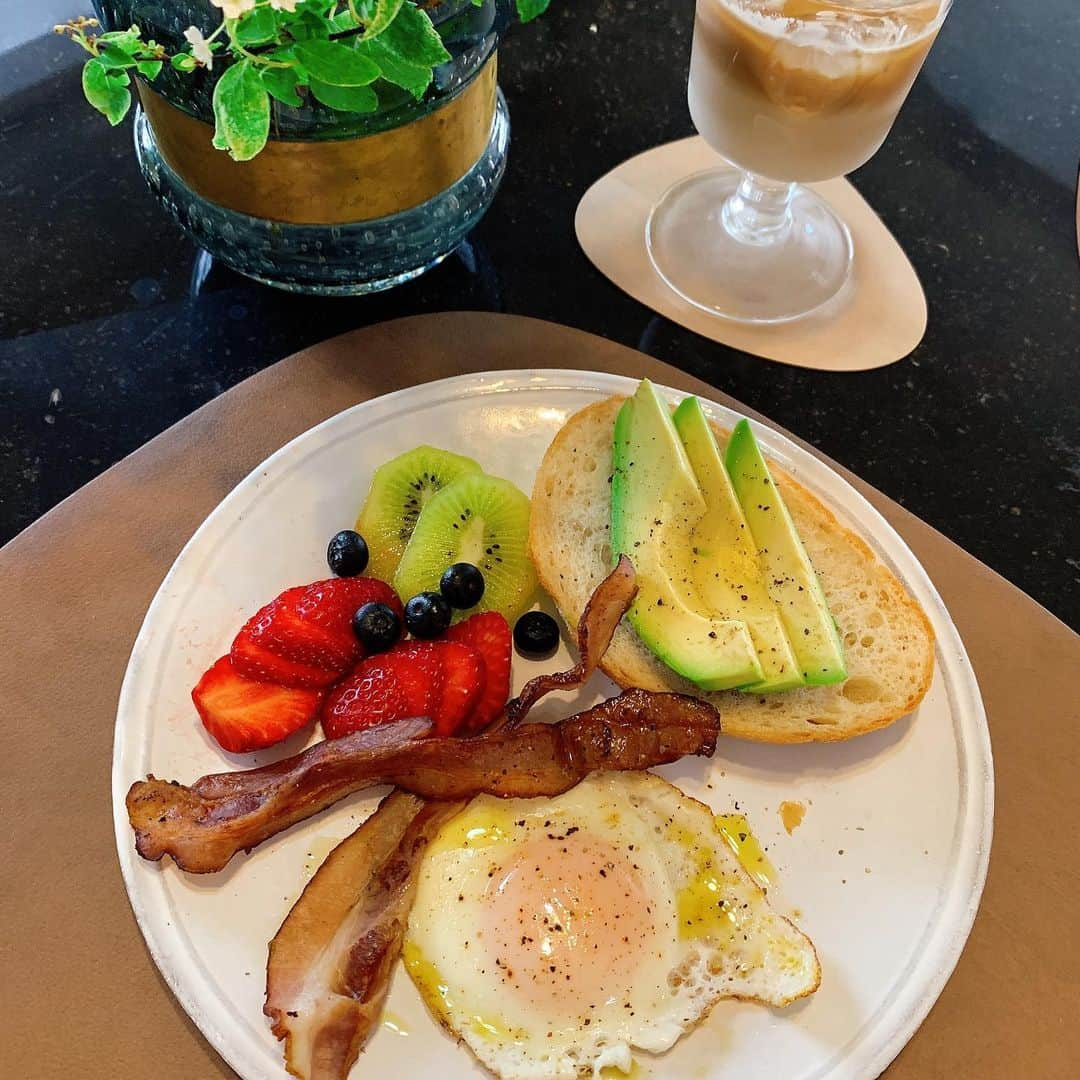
[(478, 519), (400, 489)]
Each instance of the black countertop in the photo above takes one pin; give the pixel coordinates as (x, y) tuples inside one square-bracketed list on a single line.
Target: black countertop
[(111, 329)]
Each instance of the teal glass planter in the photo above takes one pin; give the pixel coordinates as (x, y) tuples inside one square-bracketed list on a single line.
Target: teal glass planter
[(337, 203)]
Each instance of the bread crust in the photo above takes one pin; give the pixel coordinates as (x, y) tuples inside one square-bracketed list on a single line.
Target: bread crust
[(810, 714)]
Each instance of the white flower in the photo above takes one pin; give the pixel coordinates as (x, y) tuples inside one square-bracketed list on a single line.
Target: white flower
[(199, 48), (233, 9), (283, 5)]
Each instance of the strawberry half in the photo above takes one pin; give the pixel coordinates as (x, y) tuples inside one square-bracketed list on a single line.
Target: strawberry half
[(462, 685), (254, 661), (331, 604), (280, 628), (304, 636), (490, 635), (419, 667), (245, 714), (382, 689), (438, 679)]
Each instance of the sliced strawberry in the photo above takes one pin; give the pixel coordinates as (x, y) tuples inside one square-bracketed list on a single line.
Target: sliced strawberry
[(372, 694), (419, 667), (438, 679), (310, 629), (253, 661), (462, 685), (489, 634), (244, 714), (280, 628), (331, 604)]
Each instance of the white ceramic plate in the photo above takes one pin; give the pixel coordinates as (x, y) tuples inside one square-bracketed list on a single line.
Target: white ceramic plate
[(885, 872)]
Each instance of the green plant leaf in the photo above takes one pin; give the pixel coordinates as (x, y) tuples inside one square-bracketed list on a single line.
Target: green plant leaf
[(413, 38), (287, 55), (256, 27), (377, 15), (149, 69), (113, 58), (530, 9), (184, 62), (411, 77), (241, 111), (281, 83), (343, 20), (358, 99), (310, 25), (106, 91), (128, 40), (335, 64)]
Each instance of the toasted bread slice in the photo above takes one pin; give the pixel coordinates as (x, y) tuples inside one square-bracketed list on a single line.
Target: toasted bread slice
[(888, 642)]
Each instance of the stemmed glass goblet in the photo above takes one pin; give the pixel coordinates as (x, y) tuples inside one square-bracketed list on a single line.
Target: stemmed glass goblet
[(789, 92)]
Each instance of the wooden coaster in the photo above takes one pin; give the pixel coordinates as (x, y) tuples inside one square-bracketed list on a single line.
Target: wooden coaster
[(877, 319)]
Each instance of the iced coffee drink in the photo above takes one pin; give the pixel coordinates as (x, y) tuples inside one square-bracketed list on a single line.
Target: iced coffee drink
[(805, 89), (787, 92)]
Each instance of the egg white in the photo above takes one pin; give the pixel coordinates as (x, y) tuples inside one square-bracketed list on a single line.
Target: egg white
[(553, 936)]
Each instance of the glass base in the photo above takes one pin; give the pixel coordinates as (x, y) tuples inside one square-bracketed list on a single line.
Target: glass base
[(352, 288), (775, 275), (351, 259)]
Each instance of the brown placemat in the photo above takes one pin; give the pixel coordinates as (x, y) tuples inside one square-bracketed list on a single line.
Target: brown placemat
[(79, 996)]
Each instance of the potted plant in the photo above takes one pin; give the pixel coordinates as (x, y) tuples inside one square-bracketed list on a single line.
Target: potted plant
[(324, 146)]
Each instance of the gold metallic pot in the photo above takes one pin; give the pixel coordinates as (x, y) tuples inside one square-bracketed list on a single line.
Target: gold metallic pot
[(332, 181)]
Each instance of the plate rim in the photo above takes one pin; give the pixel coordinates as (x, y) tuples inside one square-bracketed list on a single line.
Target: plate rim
[(790, 454)]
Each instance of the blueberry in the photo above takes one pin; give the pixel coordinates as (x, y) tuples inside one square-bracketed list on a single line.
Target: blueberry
[(347, 554), (376, 626), (462, 585), (427, 615), (536, 635)]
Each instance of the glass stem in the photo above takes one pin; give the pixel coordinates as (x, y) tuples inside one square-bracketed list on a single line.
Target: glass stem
[(759, 210)]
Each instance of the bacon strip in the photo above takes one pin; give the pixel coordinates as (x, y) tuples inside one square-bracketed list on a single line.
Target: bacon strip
[(204, 825), (609, 602), (330, 964)]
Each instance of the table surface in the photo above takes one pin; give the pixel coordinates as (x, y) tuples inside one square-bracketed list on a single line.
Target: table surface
[(111, 328), (1019, 967)]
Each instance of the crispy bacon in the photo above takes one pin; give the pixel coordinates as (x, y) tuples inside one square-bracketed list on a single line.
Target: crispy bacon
[(330, 963), (609, 602), (204, 825)]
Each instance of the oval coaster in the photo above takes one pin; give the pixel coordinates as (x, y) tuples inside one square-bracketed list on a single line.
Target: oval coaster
[(878, 317)]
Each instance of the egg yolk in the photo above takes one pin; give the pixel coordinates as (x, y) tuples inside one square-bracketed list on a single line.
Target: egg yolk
[(567, 917)]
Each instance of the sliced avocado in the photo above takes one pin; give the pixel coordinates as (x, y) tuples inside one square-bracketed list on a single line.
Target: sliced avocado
[(790, 577), (727, 572), (655, 505)]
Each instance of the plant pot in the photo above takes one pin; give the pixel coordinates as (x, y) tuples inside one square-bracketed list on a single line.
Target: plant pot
[(336, 203)]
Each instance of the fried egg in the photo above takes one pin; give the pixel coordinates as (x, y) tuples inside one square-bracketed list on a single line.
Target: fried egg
[(553, 936)]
